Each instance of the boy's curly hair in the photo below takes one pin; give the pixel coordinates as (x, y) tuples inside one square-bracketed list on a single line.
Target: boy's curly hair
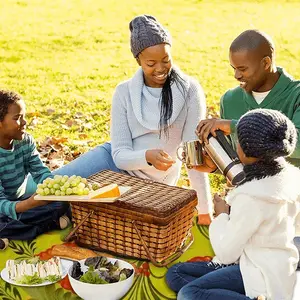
[(6, 99)]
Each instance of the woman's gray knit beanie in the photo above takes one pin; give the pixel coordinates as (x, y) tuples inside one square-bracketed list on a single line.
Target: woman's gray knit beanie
[(146, 32)]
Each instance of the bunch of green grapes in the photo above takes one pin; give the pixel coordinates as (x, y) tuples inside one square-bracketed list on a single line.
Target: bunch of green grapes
[(64, 186)]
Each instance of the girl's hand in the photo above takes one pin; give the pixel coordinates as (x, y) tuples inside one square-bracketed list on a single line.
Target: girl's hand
[(159, 159), (220, 205)]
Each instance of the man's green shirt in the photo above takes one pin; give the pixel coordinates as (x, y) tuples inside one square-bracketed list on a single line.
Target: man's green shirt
[(284, 96)]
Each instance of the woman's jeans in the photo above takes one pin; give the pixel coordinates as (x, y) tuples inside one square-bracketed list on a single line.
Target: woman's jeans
[(89, 163), (206, 280)]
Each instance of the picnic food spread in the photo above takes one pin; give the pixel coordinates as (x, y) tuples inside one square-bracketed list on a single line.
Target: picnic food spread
[(100, 271), (65, 185), (34, 270), (76, 185), (111, 190), (73, 253)]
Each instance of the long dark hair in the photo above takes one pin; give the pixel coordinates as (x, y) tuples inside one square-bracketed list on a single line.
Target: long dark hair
[(166, 100)]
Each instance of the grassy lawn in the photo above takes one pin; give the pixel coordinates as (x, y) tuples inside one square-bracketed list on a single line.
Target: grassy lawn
[(66, 56)]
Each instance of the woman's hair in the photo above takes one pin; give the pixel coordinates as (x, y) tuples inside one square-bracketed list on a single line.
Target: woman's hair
[(6, 99), (146, 31), (166, 100)]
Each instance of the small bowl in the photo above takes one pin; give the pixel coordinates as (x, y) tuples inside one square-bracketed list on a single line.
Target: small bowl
[(109, 291)]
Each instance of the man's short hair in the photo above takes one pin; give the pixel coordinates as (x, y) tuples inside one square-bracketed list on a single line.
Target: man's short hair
[(254, 40)]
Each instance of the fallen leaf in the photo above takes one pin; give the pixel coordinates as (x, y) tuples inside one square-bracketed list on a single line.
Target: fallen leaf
[(82, 136), (50, 111), (33, 114), (70, 123), (79, 143), (55, 155), (78, 115), (56, 163), (88, 125), (56, 147), (59, 140)]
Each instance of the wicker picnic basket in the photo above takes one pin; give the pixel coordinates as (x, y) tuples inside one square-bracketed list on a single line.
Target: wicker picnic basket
[(150, 221)]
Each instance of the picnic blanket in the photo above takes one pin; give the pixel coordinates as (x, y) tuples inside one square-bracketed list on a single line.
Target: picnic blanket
[(149, 280)]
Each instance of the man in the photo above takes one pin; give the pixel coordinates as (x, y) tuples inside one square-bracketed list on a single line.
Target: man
[(262, 85)]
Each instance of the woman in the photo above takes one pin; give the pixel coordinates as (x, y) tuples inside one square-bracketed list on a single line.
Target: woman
[(152, 114)]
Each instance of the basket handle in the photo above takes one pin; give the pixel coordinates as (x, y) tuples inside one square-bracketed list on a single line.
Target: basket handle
[(73, 231), (168, 260)]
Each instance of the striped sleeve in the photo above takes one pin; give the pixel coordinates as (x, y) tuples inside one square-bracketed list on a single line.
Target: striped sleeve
[(36, 167), (7, 207)]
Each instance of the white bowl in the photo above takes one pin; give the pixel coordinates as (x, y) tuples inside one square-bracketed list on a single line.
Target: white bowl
[(109, 291)]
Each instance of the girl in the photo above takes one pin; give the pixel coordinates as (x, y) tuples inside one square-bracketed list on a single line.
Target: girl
[(256, 240)]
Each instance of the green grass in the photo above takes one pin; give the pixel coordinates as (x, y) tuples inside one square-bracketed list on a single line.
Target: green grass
[(68, 55)]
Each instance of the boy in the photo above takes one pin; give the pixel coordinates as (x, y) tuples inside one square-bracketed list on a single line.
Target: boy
[(22, 217)]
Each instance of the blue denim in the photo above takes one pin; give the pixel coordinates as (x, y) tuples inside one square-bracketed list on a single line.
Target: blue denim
[(206, 280), (33, 222), (91, 162)]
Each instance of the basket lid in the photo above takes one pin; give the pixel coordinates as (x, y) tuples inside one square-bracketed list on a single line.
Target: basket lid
[(145, 195)]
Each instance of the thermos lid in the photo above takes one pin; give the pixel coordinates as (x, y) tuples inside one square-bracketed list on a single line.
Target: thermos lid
[(239, 178)]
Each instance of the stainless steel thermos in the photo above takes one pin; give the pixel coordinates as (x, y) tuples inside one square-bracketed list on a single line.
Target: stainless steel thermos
[(226, 159)]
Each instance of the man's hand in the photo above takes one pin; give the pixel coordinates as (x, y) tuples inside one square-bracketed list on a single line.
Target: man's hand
[(205, 127), (29, 203), (220, 205), (160, 159)]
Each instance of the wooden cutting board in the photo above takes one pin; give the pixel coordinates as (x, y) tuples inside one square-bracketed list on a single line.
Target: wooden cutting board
[(85, 198)]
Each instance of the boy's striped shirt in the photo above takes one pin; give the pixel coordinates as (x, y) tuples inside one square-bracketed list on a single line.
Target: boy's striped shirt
[(15, 165)]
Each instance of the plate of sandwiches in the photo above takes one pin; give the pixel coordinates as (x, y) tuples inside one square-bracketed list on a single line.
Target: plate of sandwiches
[(33, 272)]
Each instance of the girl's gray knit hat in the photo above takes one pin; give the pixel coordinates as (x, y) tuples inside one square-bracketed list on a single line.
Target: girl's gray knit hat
[(266, 134), (146, 32)]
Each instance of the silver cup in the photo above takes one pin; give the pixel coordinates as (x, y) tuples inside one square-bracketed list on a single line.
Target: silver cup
[(193, 154)]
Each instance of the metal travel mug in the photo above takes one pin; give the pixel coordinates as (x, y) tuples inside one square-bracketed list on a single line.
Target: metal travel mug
[(193, 154)]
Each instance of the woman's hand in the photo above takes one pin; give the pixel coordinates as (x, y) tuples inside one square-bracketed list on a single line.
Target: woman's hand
[(29, 203), (205, 127), (159, 159), (220, 205)]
